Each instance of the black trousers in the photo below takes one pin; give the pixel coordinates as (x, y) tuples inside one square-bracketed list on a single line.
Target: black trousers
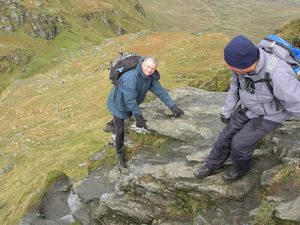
[(119, 127), (238, 140)]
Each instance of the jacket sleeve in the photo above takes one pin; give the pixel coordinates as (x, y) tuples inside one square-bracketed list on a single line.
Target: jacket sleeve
[(130, 94), (286, 88), (231, 97), (160, 92)]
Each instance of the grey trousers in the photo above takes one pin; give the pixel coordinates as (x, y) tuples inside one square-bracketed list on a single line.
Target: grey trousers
[(238, 140), (119, 127)]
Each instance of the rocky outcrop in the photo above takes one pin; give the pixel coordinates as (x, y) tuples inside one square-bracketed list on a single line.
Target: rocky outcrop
[(15, 58), (289, 211), (39, 20), (138, 7), (37, 23), (108, 18), (159, 188)]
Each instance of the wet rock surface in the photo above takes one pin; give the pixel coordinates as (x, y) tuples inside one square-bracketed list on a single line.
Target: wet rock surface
[(159, 187)]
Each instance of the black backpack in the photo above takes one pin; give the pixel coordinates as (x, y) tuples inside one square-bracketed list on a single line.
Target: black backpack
[(125, 62)]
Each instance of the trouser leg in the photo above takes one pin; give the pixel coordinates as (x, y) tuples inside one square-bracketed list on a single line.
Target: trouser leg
[(244, 142), (119, 126), (221, 149)]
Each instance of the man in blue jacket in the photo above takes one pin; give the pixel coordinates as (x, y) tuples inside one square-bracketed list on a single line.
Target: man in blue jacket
[(129, 93)]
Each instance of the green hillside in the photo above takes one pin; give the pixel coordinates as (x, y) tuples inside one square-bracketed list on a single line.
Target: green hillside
[(53, 91), (54, 121), (45, 32), (254, 18)]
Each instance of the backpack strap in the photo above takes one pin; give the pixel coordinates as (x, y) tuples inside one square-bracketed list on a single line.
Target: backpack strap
[(267, 77), (269, 69)]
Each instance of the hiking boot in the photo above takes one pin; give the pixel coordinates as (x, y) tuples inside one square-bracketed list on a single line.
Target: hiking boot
[(110, 127), (203, 172), (233, 175), (120, 162)]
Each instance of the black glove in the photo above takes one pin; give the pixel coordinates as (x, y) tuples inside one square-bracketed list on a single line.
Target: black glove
[(140, 121), (177, 112), (224, 119)]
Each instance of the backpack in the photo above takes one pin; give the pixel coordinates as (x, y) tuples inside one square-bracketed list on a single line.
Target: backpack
[(123, 63), (280, 50)]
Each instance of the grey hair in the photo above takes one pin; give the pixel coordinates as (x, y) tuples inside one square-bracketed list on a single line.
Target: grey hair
[(151, 59)]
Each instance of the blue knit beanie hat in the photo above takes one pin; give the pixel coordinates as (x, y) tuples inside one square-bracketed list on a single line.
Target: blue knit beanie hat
[(240, 52)]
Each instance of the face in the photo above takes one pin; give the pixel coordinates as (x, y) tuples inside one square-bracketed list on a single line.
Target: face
[(242, 71), (148, 68)]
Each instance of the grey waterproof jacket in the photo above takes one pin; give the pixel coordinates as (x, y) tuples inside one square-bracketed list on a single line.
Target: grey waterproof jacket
[(286, 88)]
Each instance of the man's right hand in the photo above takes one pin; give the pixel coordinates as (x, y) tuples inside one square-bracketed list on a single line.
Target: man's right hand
[(224, 119), (140, 121)]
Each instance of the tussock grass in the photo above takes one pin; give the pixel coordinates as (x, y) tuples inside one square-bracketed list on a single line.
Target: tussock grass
[(53, 121)]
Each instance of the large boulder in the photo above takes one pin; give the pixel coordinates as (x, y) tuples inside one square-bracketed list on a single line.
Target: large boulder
[(158, 186)]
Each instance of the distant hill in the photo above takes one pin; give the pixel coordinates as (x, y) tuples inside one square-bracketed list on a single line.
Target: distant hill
[(35, 35), (254, 18)]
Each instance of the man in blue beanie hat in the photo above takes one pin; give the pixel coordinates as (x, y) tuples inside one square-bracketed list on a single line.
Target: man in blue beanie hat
[(251, 110)]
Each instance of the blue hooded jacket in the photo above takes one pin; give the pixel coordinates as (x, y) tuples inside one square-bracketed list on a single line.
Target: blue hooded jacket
[(131, 90)]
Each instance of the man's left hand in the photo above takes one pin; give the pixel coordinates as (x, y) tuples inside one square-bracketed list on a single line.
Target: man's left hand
[(177, 112)]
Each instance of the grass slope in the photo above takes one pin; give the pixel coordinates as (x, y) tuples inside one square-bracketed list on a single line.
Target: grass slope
[(254, 18), (53, 121)]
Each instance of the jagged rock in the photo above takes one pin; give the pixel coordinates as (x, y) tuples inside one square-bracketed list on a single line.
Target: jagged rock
[(268, 175), (54, 198), (7, 28), (293, 157), (79, 209), (44, 26), (92, 187), (289, 211), (107, 17), (40, 24), (159, 180), (138, 211), (5, 169), (168, 179), (274, 199), (138, 7), (201, 119), (254, 212)]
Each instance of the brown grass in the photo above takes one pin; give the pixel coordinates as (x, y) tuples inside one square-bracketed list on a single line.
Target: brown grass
[(54, 121)]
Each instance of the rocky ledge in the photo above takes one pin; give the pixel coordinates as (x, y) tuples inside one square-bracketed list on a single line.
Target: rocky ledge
[(159, 188)]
